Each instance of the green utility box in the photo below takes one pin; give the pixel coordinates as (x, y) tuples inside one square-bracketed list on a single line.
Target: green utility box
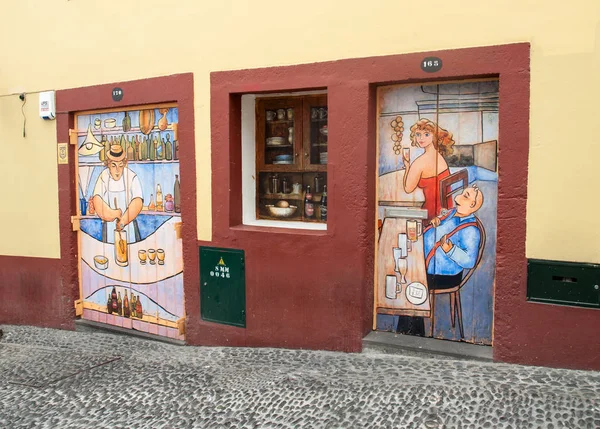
[(223, 286), (565, 283)]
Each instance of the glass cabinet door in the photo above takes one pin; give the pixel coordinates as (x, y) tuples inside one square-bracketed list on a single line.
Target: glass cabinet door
[(279, 131), (315, 133)]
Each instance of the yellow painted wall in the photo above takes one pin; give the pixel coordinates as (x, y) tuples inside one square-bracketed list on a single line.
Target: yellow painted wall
[(60, 44)]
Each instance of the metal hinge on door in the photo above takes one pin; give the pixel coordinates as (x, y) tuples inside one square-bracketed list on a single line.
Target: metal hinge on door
[(78, 307), (177, 227), (181, 326), (73, 136), (75, 223)]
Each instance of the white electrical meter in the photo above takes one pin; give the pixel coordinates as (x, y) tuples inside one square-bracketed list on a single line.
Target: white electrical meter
[(47, 105)]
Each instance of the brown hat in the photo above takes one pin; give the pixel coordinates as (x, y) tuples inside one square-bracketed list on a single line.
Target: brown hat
[(116, 153)]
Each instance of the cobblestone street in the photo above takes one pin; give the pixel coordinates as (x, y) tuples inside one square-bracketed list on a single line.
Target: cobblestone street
[(62, 379)]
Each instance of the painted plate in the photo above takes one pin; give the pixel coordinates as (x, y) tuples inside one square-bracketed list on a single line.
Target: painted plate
[(416, 293)]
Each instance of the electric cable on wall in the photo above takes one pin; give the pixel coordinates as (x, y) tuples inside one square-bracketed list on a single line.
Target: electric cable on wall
[(24, 100)]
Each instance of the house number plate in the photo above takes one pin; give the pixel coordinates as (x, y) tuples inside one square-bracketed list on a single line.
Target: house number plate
[(431, 64)]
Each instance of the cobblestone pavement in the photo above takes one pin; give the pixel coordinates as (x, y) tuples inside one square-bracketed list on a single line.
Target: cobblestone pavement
[(63, 379)]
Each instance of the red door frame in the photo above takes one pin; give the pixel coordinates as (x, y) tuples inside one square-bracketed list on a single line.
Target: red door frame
[(176, 88)]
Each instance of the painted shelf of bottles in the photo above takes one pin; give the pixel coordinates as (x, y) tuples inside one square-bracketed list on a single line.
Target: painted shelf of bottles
[(158, 146), (292, 196)]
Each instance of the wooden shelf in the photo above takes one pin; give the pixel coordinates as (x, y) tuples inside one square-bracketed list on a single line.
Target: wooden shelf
[(297, 218), (296, 197), (280, 121), (281, 196)]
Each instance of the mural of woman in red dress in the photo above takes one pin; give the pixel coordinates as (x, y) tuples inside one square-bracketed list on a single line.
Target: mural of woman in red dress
[(429, 168)]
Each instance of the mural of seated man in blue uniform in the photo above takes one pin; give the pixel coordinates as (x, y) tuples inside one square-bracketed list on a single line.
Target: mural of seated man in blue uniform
[(451, 245), (452, 241)]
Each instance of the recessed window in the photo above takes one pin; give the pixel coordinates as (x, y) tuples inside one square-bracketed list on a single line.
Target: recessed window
[(290, 148)]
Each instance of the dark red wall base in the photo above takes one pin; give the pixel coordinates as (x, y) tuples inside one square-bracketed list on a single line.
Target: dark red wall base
[(549, 335), (32, 293)]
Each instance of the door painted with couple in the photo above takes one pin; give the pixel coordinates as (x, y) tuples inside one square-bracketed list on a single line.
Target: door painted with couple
[(437, 190), (130, 249)]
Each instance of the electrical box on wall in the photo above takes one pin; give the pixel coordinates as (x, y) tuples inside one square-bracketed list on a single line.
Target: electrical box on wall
[(566, 283), (47, 105), (223, 286)]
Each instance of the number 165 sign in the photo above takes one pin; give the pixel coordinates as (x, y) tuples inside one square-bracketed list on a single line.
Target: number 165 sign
[(431, 64)]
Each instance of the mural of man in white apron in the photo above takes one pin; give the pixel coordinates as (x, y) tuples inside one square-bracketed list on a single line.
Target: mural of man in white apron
[(118, 197)]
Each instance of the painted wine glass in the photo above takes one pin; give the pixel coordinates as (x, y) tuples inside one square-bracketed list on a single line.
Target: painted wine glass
[(402, 269)]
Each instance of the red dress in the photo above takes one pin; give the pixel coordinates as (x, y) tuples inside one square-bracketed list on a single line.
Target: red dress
[(431, 189)]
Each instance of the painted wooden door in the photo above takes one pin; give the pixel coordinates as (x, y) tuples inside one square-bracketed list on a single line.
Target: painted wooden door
[(437, 192), (130, 250)]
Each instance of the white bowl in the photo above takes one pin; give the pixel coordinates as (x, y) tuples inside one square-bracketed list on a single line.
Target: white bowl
[(101, 262), (110, 123), (276, 141), (281, 211)]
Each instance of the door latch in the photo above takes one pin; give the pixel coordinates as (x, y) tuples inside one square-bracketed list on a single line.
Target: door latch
[(73, 136), (75, 223), (78, 307)]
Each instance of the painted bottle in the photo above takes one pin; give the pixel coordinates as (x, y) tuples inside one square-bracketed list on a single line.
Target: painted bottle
[(126, 122), (119, 304), (126, 308), (130, 150), (138, 148), (114, 300), (132, 305), (91, 210), (139, 313), (144, 149), (159, 199), (151, 206), (152, 147), (106, 146), (323, 205), (309, 205), (102, 153), (177, 195), (160, 153), (124, 143), (168, 149), (163, 149)]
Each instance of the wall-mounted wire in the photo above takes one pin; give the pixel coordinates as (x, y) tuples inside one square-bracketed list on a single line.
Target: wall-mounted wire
[(22, 98)]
